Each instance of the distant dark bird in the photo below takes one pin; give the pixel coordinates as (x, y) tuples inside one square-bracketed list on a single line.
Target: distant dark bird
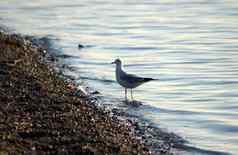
[(128, 81), (80, 46)]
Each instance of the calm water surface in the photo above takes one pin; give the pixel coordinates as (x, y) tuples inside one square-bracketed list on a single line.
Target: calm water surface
[(190, 45)]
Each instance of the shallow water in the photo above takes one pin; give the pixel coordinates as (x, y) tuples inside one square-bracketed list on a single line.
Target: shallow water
[(191, 46)]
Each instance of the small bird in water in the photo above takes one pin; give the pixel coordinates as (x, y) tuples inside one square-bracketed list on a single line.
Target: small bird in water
[(128, 81)]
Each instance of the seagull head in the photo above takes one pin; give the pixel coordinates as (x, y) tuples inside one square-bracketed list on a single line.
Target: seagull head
[(117, 62)]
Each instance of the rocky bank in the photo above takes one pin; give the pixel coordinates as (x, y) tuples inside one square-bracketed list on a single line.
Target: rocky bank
[(42, 113)]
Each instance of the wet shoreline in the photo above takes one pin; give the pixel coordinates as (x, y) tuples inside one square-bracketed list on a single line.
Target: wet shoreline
[(42, 112)]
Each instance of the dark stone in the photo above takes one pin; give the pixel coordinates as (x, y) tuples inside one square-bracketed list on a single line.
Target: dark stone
[(80, 46), (95, 93)]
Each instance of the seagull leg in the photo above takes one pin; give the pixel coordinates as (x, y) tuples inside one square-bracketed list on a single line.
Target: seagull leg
[(131, 95), (125, 94)]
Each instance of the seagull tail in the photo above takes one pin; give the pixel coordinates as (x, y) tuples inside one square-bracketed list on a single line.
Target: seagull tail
[(149, 79)]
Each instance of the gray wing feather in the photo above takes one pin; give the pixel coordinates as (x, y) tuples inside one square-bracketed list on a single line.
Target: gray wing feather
[(131, 78)]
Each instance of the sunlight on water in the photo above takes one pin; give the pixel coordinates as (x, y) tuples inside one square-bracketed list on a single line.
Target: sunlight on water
[(190, 46)]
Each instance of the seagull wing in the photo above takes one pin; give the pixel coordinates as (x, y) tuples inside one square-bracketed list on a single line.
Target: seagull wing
[(131, 78)]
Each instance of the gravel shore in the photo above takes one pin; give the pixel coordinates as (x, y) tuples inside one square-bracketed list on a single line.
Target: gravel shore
[(41, 112)]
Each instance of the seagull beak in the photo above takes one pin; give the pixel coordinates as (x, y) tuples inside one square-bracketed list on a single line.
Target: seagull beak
[(113, 62)]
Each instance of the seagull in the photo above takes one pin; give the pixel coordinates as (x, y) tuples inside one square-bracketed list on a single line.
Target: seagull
[(128, 81)]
